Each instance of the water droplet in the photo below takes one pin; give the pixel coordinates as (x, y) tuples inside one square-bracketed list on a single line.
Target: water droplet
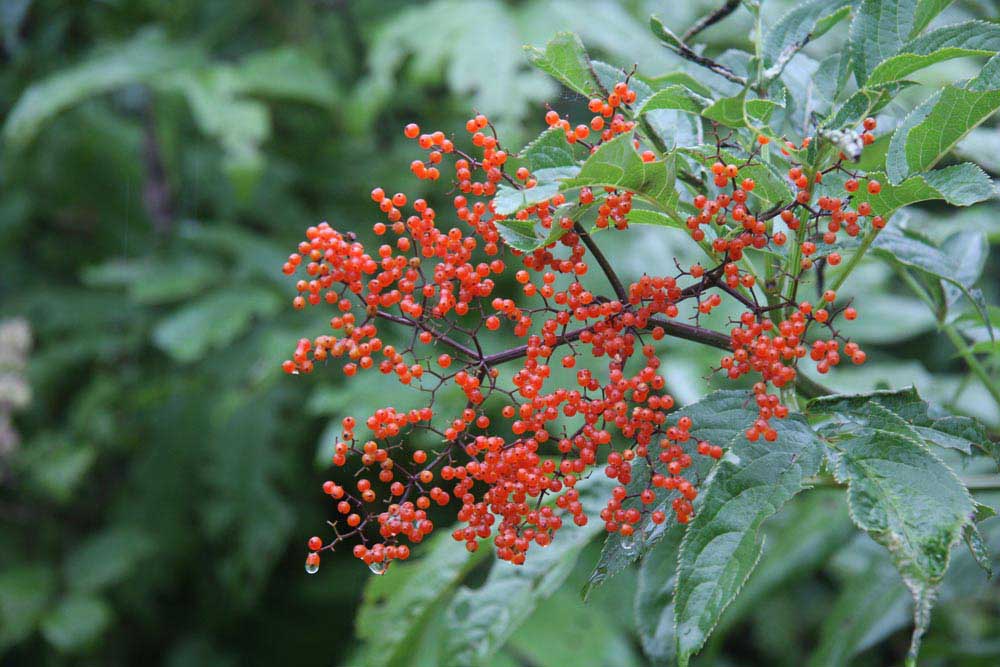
[(628, 543), (312, 566), (378, 567)]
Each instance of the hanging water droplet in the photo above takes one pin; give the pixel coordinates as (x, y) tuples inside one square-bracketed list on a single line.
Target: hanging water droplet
[(378, 567), (628, 543), (312, 563)]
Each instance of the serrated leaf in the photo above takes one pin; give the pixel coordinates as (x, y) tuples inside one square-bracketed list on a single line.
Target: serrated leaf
[(616, 163), (968, 250), (856, 108), (550, 181), (808, 20), (718, 418), (959, 185), (770, 187), (978, 548), (549, 150), (654, 598), (212, 321), (721, 545), (566, 59), (643, 216), (880, 29), (943, 430), (930, 131), (909, 501), (727, 111), (396, 604), (140, 59), (972, 38), (674, 97), (681, 79), (482, 619)]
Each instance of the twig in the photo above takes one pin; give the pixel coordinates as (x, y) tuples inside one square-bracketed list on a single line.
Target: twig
[(711, 19)]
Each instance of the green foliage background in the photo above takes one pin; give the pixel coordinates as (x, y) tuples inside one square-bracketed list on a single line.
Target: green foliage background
[(159, 160)]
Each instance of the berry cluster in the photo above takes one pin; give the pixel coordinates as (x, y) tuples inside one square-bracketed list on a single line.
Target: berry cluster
[(533, 433)]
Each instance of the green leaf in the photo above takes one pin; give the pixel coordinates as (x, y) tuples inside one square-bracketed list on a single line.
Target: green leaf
[(770, 186), (643, 216), (616, 163), (805, 22), (881, 29), (904, 247), (550, 181), (857, 107), (728, 111), (682, 79), (932, 425), (148, 54), (396, 605), (549, 150), (959, 185), (76, 623), (212, 321), (972, 38), (482, 619), (24, 599), (674, 97), (654, 598), (721, 545), (865, 601), (609, 75), (930, 131), (288, 73), (978, 548), (106, 558), (566, 59), (908, 500), (718, 418)]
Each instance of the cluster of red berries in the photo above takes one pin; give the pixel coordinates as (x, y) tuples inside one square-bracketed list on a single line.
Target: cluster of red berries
[(431, 280)]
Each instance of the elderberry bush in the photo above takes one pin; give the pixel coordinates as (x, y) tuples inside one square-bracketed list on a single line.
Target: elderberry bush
[(783, 194)]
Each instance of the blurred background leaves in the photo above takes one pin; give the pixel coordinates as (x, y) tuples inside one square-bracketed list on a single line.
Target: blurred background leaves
[(159, 475)]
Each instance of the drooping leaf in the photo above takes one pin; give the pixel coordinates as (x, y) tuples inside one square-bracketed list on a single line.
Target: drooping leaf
[(565, 59), (654, 597), (721, 545), (908, 500), (868, 598), (904, 247), (936, 125), (972, 38), (481, 619), (933, 426), (396, 605), (718, 418)]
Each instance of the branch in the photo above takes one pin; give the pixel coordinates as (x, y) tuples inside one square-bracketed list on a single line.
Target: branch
[(467, 351), (616, 283), (711, 19)]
